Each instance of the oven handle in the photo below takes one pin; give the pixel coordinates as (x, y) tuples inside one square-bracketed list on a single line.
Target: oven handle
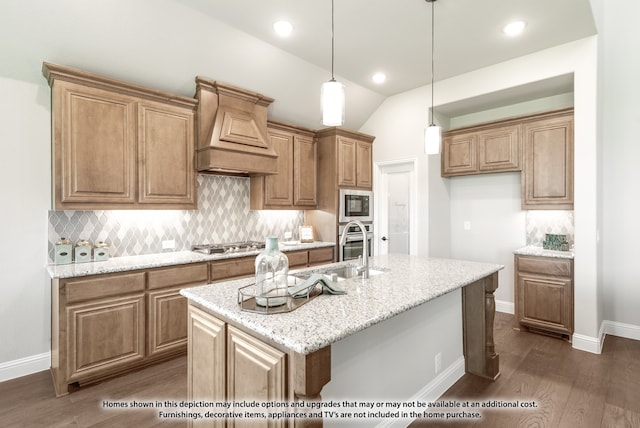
[(354, 237)]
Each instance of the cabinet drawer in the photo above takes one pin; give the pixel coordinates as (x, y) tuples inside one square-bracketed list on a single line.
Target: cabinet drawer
[(103, 286), (195, 274), (241, 267), (545, 265), (321, 255), (298, 258)]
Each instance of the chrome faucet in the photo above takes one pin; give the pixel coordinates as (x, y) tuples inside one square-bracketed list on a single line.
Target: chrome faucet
[(364, 267)]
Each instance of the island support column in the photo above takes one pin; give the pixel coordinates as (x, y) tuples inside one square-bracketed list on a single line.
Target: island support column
[(310, 374), (478, 312)]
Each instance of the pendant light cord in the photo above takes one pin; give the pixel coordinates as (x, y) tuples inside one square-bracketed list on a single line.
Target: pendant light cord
[(333, 79), (432, 67)]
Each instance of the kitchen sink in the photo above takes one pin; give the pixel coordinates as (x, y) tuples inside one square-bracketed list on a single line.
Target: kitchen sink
[(342, 272)]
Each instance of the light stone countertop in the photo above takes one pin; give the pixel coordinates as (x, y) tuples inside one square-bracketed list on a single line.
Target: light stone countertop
[(409, 282), (123, 264), (534, 250)]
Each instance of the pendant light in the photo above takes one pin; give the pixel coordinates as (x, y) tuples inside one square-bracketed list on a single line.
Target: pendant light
[(332, 93), (433, 133)]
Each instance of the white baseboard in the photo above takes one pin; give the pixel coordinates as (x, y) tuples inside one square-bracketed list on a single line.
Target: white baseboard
[(25, 366), (628, 331), (431, 392), (505, 306)]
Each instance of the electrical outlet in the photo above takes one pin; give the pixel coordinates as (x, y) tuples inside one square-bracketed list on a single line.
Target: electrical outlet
[(169, 245), (467, 225), (438, 362)]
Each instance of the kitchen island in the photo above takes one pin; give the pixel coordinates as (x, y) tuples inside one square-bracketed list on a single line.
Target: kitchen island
[(406, 309)]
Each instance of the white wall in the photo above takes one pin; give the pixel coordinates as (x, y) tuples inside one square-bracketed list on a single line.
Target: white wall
[(398, 125), (25, 191), (621, 152)]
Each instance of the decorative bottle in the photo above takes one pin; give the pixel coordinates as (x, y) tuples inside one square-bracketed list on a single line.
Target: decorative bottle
[(272, 271)]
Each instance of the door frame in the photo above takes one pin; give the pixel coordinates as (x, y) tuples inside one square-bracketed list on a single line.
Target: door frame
[(380, 215)]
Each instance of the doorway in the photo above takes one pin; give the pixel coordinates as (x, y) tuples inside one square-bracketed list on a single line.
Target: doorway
[(395, 207)]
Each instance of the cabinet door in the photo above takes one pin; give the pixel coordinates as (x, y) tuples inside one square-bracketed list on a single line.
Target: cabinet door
[(167, 322), (255, 370), (363, 165), (459, 155), (305, 167), (346, 162), (94, 136), (278, 187), (545, 303), (104, 336), (166, 147), (321, 256), (499, 149), (206, 371), (547, 179)]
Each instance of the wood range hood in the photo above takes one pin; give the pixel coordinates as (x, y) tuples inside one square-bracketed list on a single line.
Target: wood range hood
[(232, 131)]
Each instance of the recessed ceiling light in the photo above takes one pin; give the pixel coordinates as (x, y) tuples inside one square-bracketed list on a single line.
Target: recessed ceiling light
[(514, 28), (283, 28), (379, 77)]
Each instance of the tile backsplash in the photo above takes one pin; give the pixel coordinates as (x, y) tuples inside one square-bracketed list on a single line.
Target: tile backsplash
[(223, 215), (540, 222)]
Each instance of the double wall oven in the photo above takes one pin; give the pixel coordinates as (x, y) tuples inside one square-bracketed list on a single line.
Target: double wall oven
[(355, 205)]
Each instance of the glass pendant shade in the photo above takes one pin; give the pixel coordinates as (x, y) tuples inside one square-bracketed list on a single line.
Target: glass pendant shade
[(332, 103), (432, 139)]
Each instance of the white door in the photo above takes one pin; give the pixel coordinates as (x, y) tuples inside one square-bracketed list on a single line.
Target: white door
[(394, 230)]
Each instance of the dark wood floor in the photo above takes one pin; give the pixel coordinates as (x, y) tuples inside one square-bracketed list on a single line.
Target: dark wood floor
[(572, 389)]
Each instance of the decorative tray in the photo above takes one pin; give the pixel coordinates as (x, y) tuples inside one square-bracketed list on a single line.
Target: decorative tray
[(281, 301)]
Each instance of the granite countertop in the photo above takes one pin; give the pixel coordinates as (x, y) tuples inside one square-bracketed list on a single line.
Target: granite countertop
[(409, 282), (122, 264), (534, 250)]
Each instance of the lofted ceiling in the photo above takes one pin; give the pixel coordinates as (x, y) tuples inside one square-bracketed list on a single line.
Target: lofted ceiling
[(164, 44), (394, 36)]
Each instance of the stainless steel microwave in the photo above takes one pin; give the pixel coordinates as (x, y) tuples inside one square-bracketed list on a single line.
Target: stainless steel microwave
[(355, 205)]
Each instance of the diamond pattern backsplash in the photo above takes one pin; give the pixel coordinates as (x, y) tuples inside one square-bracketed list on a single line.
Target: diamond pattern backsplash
[(540, 222), (223, 215)]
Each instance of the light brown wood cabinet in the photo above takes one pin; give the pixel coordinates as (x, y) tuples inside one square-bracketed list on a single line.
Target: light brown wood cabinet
[(294, 185), (544, 295), (480, 150), (243, 267), (547, 179), (119, 146), (354, 163), (103, 325), (227, 364)]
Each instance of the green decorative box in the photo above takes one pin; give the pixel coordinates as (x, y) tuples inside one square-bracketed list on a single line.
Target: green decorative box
[(555, 242)]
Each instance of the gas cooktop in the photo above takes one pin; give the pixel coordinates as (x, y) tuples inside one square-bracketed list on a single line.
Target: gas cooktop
[(232, 247)]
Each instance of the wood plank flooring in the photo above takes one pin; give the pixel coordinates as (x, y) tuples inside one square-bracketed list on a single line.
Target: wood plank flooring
[(572, 389)]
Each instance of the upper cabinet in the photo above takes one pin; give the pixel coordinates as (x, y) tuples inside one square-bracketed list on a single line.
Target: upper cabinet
[(354, 163), (294, 185), (480, 150), (540, 145), (547, 181), (349, 155), (119, 146)]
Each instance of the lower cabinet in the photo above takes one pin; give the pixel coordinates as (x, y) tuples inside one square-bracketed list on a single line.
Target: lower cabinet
[(227, 364), (107, 324), (544, 295), (105, 335)]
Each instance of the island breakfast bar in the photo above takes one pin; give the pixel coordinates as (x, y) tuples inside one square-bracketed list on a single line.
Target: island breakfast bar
[(235, 355)]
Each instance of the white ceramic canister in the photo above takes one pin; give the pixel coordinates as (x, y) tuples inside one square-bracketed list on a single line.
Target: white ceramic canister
[(63, 253), (101, 252), (82, 251)]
